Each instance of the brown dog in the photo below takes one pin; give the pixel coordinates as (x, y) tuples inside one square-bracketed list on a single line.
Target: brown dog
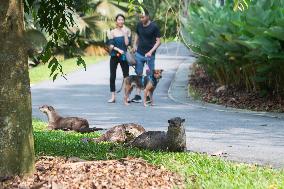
[(148, 83)]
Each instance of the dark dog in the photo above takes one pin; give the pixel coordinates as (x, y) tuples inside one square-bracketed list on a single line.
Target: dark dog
[(56, 122), (148, 83)]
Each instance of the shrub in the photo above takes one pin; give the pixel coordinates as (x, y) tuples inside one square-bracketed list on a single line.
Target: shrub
[(245, 49)]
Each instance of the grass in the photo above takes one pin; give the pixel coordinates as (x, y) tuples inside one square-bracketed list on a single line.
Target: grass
[(200, 171), (41, 72)]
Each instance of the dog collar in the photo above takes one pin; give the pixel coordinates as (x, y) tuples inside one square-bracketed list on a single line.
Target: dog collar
[(152, 79)]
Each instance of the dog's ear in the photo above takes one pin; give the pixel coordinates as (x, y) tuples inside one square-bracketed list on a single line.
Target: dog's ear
[(50, 108)]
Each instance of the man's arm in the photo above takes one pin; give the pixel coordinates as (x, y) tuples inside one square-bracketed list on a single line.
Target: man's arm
[(157, 44)]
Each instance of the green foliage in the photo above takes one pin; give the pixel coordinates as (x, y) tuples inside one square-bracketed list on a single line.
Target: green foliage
[(41, 72), (68, 26), (200, 171), (53, 17), (240, 48), (241, 4), (167, 16)]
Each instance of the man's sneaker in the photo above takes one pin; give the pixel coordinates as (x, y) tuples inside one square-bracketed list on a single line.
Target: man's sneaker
[(137, 99), (148, 100)]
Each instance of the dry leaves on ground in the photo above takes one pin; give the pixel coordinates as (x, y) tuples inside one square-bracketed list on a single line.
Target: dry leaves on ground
[(59, 173), (232, 96)]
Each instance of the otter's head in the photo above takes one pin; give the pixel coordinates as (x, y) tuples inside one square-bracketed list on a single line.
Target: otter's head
[(135, 129), (176, 122), (158, 73), (46, 109)]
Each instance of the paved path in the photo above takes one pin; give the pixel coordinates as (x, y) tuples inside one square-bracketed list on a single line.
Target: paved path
[(244, 136)]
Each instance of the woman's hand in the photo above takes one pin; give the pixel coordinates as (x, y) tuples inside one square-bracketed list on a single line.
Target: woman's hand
[(120, 51), (126, 31), (134, 48)]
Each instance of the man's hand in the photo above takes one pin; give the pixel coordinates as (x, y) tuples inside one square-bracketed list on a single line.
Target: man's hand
[(148, 54)]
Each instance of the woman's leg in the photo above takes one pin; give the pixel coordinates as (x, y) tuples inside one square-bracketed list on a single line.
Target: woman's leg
[(113, 67), (125, 68)]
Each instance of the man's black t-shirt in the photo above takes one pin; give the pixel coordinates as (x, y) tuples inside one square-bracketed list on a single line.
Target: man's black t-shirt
[(147, 37)]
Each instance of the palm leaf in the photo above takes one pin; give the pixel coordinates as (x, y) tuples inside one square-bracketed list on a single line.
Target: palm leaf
[(241, 4)]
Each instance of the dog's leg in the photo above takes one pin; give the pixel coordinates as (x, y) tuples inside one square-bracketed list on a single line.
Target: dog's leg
[(126, 97), (151, 97), (145, 96), (127, 89)]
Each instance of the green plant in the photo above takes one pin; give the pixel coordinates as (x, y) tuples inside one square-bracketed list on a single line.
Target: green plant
[(240, 48), (241, 4)]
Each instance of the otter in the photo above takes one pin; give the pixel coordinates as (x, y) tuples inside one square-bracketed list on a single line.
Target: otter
[(123, 133), (173, 140), (55, 121)]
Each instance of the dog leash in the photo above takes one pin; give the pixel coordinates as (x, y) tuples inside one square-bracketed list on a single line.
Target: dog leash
[(133, 66), (147, 66)]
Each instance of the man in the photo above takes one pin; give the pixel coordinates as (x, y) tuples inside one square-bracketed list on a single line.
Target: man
[(146, 42)]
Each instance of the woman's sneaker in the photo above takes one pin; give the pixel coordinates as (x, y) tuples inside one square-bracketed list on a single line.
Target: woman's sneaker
[(137, 99)]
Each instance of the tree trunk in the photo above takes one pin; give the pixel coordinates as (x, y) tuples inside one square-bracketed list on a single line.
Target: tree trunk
[(16, 136)]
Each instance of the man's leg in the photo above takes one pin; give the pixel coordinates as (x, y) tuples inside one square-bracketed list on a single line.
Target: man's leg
[(140, 59), (151, 65)]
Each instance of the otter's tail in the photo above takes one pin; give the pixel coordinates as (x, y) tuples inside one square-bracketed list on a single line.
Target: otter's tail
[(89, 130)]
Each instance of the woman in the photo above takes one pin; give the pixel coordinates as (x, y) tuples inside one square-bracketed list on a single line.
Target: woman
[(119, 39)]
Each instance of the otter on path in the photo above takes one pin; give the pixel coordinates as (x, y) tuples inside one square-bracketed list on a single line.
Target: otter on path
[(55, 121), (174, 140)]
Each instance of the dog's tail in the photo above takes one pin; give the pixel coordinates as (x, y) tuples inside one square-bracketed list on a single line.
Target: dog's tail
[(121, 86)]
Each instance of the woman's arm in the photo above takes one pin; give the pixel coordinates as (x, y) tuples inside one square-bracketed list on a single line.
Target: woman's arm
[(110, 40), (135, 44), (111, 43), (127, 34)]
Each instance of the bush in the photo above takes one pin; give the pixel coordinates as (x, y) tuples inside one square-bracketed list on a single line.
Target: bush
[(244, 49)]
